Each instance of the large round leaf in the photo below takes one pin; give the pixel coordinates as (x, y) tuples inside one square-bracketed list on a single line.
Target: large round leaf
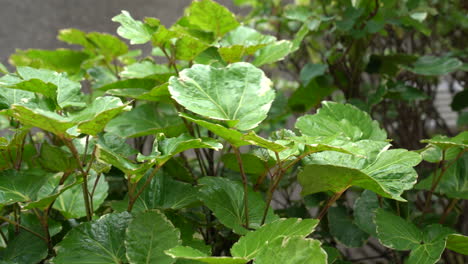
[(239, 93)]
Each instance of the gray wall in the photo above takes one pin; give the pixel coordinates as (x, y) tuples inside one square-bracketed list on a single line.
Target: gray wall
[(34, 23)]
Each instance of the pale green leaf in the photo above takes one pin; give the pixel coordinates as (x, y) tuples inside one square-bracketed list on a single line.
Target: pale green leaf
[(292, 250), (252, 243), (273, 52), (344, 119), (46, 120), (165, 148), (95, 117), (240, 93), (135, 31), (434, 66), (242, 41), (389, 174), (60, 60), (232, 136), (210, 16), (188, 253)]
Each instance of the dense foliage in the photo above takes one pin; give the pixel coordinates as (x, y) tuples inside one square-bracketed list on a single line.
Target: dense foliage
[(267, 141)]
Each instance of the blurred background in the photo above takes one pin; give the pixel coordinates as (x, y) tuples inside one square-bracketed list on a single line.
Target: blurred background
[(32, 24)]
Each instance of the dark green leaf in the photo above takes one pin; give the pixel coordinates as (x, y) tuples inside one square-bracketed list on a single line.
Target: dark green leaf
[(147, 119), (343, 229), (100, 241), (226, 199), (148, 235)]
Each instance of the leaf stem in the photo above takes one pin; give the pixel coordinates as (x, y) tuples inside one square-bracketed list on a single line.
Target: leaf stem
[(330, 202), (276, 178), (448, 209), (132, 200), (23, 227), (84, 185), (245, 184), (437, 180)]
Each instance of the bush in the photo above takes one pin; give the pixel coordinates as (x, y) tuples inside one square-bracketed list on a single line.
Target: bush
[(192, 154)]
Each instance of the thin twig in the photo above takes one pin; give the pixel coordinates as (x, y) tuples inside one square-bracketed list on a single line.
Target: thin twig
[(330, 202), (245, 184), (23, 227)]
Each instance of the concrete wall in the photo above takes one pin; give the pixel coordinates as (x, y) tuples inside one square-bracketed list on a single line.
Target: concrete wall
[(34, 23)]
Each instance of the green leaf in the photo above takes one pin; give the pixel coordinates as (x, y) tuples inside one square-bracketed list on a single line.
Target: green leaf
[(71, 203), (183, 252), (395, 232), (460, 101), (49, 192), (21, 186), (188, 48), (24, 248), (226, 199), (310, 71), (431, 247), (95, 117), (252, 164), (165, 148), (55, 159), (435, 66), (364, 211), (210, 16), (60, 60), (458, 243), (389, 174), (232, 136), (242, 41), (311, 94), (147, 119), (444, 142), (344, 119), (454, 182), (147, 237), (250, 245), (100, 241), (68, 92), (292, 250), (107, 152), (273, 52), (145, 69), (135, 31), (46, 120), (107, 45), (163, 192), (240, 93), (9, 96), (254, 139), (343, 229)]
